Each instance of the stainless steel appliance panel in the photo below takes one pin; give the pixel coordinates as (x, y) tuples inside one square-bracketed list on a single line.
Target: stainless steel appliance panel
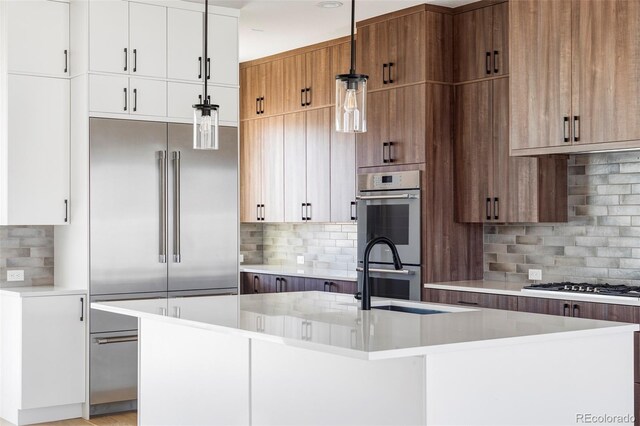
[(128, 229), (203, 211), (387, 282), (113, 369), (103, 322), (392, 215)]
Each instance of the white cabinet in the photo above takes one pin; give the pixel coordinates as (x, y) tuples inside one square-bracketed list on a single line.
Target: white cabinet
[(223, 49), (38, 151), (148, 97), (148, 40), (113, 94), (43, 357), (127, 38), (109, 94), (109, 36), (182, 96), (38, 37), (184, 45)]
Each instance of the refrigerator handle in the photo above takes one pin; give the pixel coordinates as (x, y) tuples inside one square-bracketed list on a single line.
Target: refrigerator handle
[(176, 207), (163, 207)]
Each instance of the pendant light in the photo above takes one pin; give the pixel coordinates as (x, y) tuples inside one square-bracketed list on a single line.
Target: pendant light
[(205, 114), (351, 93)]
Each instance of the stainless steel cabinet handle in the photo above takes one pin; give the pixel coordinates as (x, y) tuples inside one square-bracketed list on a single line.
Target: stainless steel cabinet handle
[(163, 207), (177, 255), (387, 271), (387, 197), (122, 339)]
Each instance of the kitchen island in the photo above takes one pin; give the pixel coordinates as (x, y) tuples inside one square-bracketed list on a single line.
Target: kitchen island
[(313, 358)]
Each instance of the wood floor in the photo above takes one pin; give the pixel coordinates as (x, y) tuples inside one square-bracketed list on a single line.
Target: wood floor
[(123, 419)]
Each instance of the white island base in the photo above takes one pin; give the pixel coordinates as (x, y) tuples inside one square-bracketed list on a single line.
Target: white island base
[(206, 372)]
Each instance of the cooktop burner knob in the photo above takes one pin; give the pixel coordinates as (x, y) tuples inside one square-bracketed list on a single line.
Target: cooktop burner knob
[(581, 288), (567, 287), (574, 288), (589, 289)]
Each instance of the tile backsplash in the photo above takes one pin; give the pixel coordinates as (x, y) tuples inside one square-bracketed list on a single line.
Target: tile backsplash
[(324, 246), (29, 248), (601, 241)]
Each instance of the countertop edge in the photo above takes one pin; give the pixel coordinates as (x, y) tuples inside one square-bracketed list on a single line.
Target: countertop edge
[(377, 355), (26, 292)]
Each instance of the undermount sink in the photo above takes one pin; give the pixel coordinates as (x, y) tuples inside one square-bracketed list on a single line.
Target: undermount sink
[(408, 310)]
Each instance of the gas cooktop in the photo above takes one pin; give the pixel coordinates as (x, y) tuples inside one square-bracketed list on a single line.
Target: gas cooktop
[(598, 289)]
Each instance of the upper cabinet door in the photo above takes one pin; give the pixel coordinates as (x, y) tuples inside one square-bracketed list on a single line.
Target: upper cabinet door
[(473, 152), (407, 106), (272, 91), (500, 39), (273, 169), (540, 56), (148, 97), (38, 37), (407, 41), (38, 155), (295, 167), (109, 36), (223, 50), (184, 39), (148, 40), (317, 68), (343, 174), (372, 146), (472, 45), (295, 88), (606, 71), (318, 165), (372, 59), (250, 170), (340, 64)]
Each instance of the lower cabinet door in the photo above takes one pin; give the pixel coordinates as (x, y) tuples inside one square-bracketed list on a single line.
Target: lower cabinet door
[(53, 351), (181, 98), (38, 151), (472, 299), (348, 287), (287, 284)]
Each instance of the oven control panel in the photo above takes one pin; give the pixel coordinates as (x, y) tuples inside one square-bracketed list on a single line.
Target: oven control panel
[(389, 181)]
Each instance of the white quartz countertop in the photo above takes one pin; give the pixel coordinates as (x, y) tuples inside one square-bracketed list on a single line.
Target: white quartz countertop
[(333, 323), (301, 271), (39, 291), (517, 289)]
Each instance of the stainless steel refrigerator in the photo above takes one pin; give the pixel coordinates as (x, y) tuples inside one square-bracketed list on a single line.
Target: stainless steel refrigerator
[(163, 223)]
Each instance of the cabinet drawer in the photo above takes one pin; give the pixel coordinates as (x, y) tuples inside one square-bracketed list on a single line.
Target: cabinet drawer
[(472, 299)]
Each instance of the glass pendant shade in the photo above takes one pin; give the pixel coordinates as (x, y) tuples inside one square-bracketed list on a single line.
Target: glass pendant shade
[(351, 103), (205, 127)]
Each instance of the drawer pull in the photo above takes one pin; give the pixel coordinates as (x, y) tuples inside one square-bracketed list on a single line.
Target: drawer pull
[(110, 340)]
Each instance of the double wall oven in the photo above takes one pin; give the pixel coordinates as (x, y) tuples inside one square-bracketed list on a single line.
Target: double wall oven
[(389, 205)]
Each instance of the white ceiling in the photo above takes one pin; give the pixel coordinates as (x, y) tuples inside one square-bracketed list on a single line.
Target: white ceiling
[(272, 26)]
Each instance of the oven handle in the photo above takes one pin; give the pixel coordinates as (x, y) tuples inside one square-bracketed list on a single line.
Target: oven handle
[(387, 197), (122, 339), (387, 271)]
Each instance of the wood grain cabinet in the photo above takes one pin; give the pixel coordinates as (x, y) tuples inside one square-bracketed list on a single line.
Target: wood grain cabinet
[(472, 299), (396, 126), (343, 175), (480, 39), (251, 283), (261, 90), (491, 186), (315, 284), (393, 51), (262, 170), (574, 75), (308, 80), (307, 157), (570, 308)]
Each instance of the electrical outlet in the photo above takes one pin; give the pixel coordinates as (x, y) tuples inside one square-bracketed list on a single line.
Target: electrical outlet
[(535, 274), (242, 258), (300, 260), (15, 275)]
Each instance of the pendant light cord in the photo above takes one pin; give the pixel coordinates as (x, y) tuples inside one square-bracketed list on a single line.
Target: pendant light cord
[(206, 42), (353, 45)]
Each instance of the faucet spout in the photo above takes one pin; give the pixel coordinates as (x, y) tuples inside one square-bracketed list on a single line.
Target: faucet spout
[(366, 286)]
